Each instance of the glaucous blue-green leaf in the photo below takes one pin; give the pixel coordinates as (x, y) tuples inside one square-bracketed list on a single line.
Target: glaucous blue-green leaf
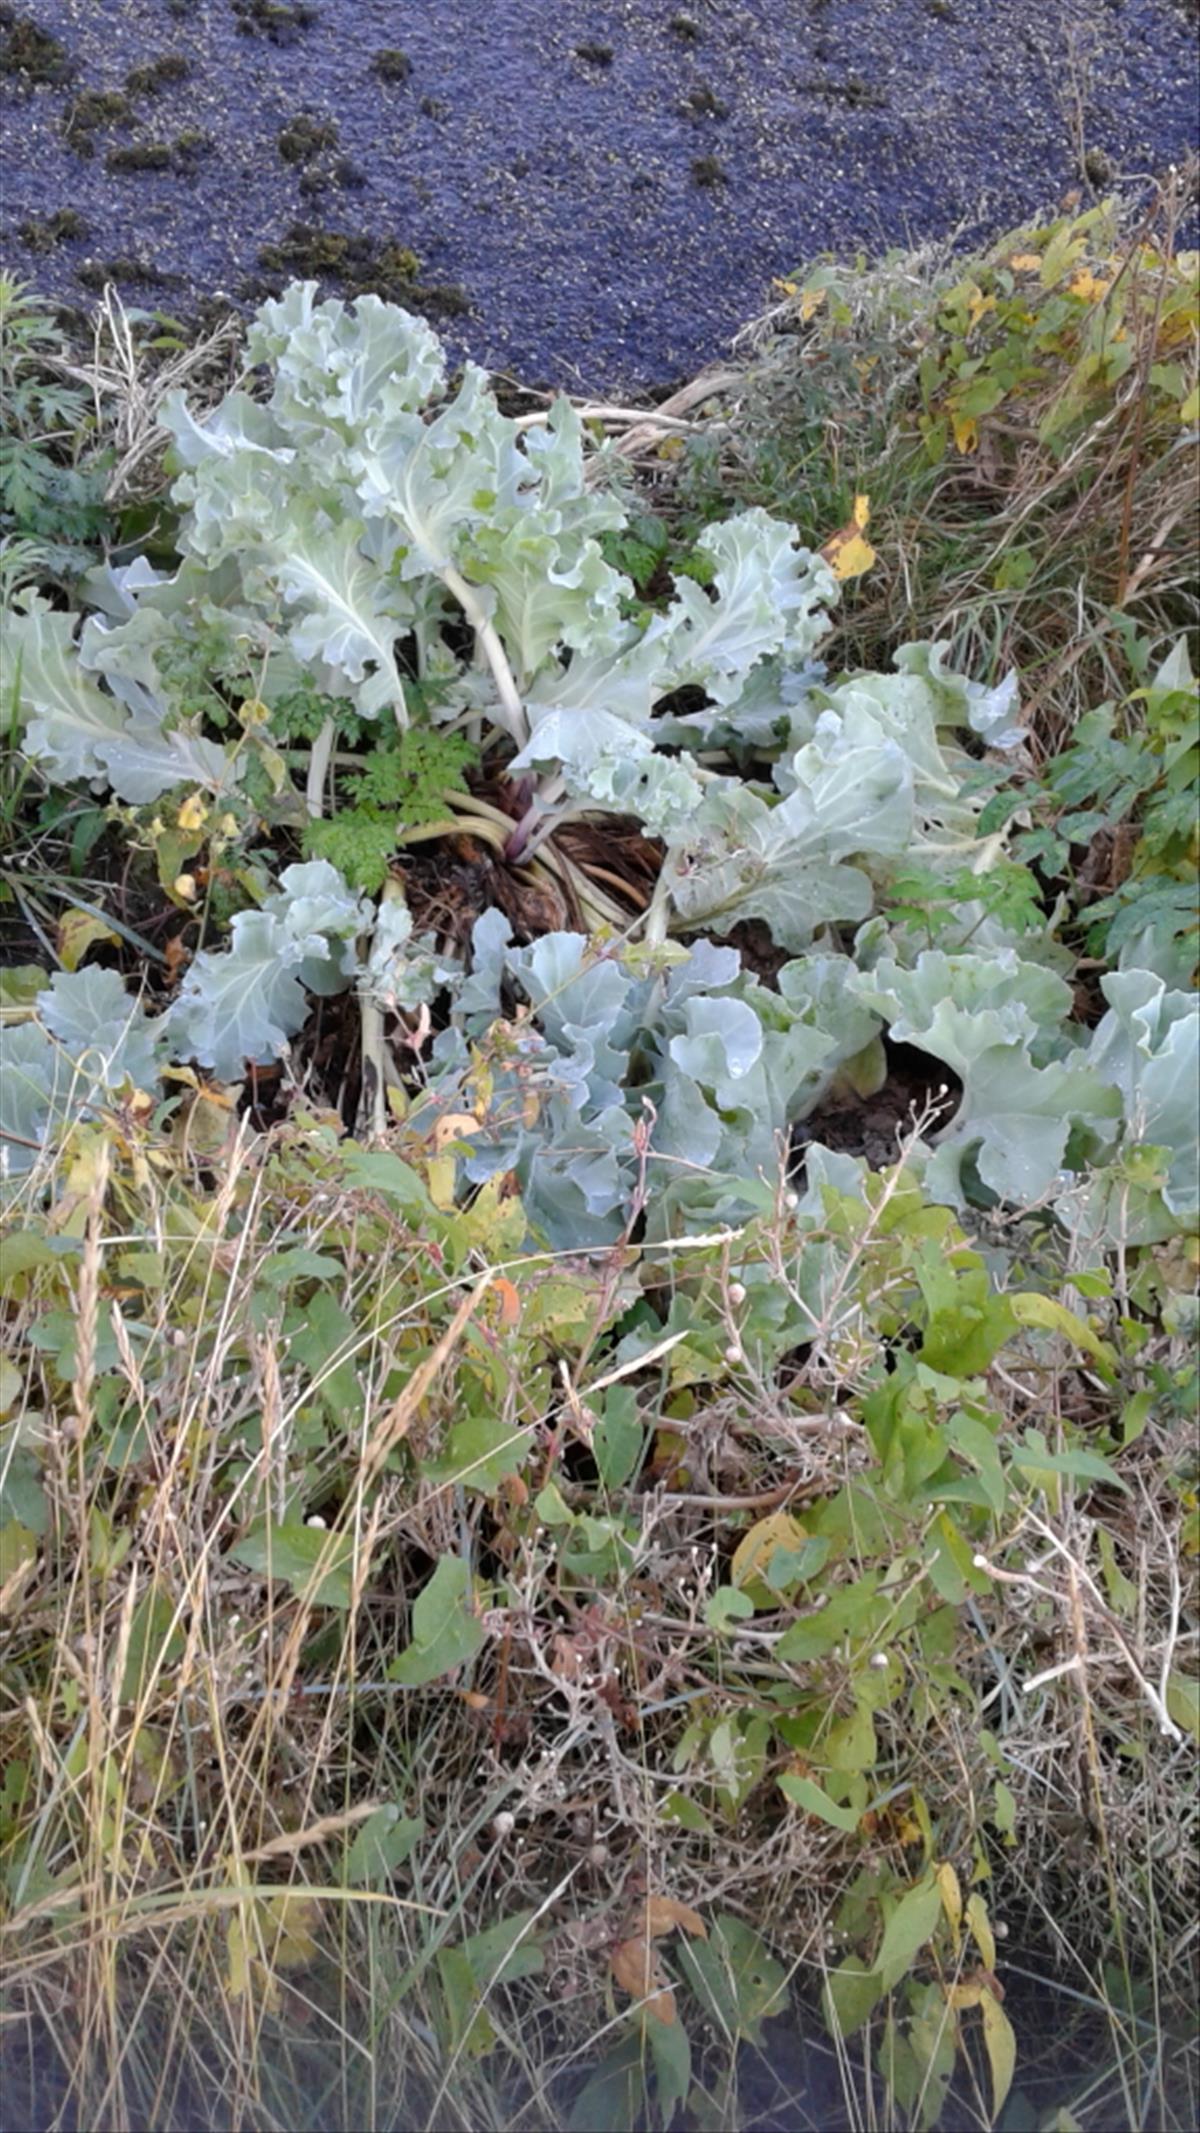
[(345, 611), (1017, 1119), (77, 730), (788, 863), (104, 1030), (992, 713), (1148, 1046), (768, 596), (338, 367), (243, 1003), (432, 482), (609, 764), (91, 1039), (723, 1040), (956, 1007)]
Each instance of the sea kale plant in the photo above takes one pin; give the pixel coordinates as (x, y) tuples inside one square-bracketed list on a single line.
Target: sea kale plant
[(384, 581)]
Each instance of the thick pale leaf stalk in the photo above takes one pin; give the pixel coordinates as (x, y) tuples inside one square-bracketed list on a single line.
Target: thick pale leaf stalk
[(318, 769), (373, 1110), (513, 717)]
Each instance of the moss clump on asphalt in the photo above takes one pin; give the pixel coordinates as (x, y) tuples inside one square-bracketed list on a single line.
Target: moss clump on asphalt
[(92, 110), (124, 267), (43, 232), (703, 103), (139, 155), (305, 137), (709, 170), (30, 51), (391, 64), (157, 74), (854, 92), (361, 265), (280, 21), (595, 55), (686, 28)]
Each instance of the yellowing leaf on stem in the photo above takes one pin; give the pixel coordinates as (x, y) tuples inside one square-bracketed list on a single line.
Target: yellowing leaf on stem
[(1000, 2044), (665, 1913), (635, 1969), (810, 303), (951, 1894), (1088, 287), (755, 1550), (77, 932), (966, 430), (979, 306), (194, 813), (980, 1928), (1026, 262), (454, 1126), (848, 552)]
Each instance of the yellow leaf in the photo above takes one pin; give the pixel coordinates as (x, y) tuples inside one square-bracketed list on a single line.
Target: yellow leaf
[(1031, 1309), (185, 885), (441, 1178), (810, 304), (754, 1552), (288, 1938), (1088, 287), (671, 448), (253, 712), (664, 1913), (786, 288), (980, 1928), (1026, 262), (194, 813), (1001, 2046), (635, 1969), (951, 1895), (77, 932), (966, 431), (454, 1126), (979, 306), (848, 552)]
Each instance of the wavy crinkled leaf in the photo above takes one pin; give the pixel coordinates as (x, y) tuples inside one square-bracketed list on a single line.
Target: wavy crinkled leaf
[(77, 730), (102, 1028), (433, 482), (1148, 1047), (786, 864), (768, 596), (245, 1002), (614, 766), (1017, 1118), (338, 367), (992, 713), (540, 557), (351, 610), (956, 1007), (91, 1040)]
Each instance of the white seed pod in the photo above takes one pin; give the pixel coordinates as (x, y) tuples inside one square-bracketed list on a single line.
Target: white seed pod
[(503, 1824), (737, 1292), (735, 1353), (317, 1521)]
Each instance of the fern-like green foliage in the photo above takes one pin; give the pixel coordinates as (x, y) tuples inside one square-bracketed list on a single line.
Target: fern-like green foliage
[(398, 788)]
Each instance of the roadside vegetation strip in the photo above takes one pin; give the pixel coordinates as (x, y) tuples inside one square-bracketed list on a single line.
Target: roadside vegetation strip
[(479, 1439)]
